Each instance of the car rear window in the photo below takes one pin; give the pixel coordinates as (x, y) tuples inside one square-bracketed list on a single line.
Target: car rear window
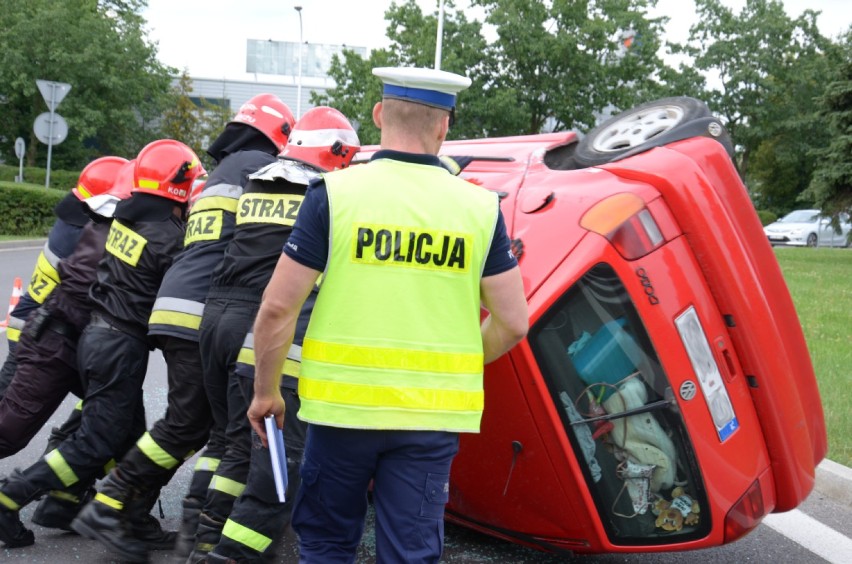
[(619, 413)]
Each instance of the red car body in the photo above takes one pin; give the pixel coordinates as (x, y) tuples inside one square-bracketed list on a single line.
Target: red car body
[(664, 398)]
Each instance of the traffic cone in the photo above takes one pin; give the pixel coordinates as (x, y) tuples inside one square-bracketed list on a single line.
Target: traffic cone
[(17, 291)]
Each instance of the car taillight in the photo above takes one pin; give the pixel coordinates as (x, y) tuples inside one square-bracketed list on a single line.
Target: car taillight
[(745, 514), (625, 221)]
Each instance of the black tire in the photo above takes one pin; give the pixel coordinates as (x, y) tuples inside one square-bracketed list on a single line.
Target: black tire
[(812, 241), (647, 126)]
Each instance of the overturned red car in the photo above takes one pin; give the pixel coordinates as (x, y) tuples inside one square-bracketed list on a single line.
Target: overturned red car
[(664, 398)]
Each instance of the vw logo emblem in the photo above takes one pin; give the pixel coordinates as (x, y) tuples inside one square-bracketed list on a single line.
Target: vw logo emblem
[(687, 390)]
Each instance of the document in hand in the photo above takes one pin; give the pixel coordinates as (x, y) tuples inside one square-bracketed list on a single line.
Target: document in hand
[(278, 457)]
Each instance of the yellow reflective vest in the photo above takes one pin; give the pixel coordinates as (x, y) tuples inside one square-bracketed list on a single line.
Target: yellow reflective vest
[(394, 340)]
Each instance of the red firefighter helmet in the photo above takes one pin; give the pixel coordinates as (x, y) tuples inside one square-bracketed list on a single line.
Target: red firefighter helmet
[(123, 184), (166, 168), (324, 139), (197, 188), (269, 115), (98, 177)]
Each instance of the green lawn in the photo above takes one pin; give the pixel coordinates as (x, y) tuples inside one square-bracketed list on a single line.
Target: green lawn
[(820, 281)]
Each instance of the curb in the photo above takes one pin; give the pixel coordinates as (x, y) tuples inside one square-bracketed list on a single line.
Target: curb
[(834, 481), (22, 243)]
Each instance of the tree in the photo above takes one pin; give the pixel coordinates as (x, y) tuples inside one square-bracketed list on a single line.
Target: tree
[(831, 185), (413, 35), (181, 120), (769, 71), (554, 65), (195, 123), (567, 61), (119, 88)]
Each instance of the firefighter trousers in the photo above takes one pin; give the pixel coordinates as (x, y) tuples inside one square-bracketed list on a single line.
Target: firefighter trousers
[(185, 426), (258, 521), (10, 365), (112, 366), (224, 325), (46, 373)]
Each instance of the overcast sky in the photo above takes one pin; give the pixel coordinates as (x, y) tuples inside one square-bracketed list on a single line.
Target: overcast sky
[(208, 37)]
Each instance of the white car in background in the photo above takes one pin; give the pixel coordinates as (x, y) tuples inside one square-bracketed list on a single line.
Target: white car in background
[(808, 228)]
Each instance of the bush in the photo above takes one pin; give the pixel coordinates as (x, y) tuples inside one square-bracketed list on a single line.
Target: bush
[(26, 210), (766, 216), (59, 179)]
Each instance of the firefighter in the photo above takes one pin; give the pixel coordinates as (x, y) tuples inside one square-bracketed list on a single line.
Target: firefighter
[(323, 140), (392, 361), (112, 356), (249, 142), (61, 240), (46, 365)]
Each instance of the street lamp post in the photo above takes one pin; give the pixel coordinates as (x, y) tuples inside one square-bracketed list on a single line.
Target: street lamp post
[(440, 39), (299, 83)]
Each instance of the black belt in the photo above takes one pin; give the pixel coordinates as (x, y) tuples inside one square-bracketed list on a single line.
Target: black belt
[(98, 321), (62, 327), (105, 322)]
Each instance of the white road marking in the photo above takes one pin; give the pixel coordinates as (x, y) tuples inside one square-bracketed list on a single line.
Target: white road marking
[(820, 539)]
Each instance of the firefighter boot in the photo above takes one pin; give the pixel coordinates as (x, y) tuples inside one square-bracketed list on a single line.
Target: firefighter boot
[(59, 507), (15, 492), (106, 520), (206, 538), (146, 527), (214, 558), (186, 535), (12, 531)]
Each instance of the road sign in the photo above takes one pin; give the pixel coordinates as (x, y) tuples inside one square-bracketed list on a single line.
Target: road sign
[(20, 149), (53, 92), (51, 129)]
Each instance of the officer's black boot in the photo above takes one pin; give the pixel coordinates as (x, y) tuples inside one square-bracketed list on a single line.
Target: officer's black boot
[(59, 507), (106, 520), (206, 538), (15, 492), (145, 526)]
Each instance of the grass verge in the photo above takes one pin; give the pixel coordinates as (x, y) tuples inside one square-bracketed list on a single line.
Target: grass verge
[(819, 282)]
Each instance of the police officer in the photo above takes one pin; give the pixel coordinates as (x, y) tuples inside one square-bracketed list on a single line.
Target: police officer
[(249, 142), (322, 140), (146, 233), (61, 240), (392, 361)]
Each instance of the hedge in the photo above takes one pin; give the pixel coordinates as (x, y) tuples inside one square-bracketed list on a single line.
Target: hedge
[(59, 179), (766, 216), (26, 210)]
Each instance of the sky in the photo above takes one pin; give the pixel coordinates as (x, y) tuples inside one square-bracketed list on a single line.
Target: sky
[(208, 37)]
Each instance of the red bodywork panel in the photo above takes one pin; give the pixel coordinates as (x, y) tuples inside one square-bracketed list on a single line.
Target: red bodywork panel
[(521, 477)]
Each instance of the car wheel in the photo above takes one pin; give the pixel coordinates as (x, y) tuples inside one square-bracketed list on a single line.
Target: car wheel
[(812, 240), (647, 126)]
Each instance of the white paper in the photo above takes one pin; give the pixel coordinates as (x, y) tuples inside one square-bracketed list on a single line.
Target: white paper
[(278, 457)]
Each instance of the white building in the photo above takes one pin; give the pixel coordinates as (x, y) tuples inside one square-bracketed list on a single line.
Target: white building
[(273, 67)]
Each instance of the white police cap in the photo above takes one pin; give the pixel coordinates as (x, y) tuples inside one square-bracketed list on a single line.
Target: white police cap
[(422, 85)]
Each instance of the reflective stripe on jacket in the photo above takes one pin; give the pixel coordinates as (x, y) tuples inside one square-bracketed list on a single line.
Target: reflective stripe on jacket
[(394, 341), (209, 230)]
